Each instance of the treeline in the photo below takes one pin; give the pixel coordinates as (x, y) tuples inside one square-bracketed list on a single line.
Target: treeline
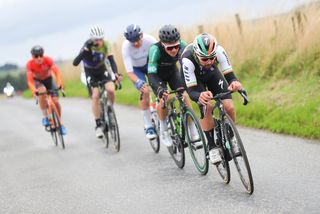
[(8, 67)]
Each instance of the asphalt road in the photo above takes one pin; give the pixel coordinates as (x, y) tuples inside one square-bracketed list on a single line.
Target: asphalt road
[(37, 177)]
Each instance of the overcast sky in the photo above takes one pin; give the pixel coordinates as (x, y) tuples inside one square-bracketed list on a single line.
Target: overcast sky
[(61, 26)]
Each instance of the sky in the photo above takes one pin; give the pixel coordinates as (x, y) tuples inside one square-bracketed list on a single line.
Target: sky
[(62, 26)]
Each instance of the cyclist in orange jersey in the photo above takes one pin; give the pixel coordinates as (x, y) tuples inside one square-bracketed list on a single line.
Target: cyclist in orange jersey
[(39, 79)]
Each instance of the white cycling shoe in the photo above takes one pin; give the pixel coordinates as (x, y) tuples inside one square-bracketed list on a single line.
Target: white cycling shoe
[(166, 138), (194, 132), (214, 156), (99, 132)]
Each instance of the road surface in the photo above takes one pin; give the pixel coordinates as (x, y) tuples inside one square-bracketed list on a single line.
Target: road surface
[(37, 177)]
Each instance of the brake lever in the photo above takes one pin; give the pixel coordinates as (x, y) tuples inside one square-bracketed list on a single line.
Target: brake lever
[(243, 93)]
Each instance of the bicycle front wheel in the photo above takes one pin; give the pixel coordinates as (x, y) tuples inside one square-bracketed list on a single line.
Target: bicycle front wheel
[(196, 141), (239, 154), (177, 149), (57, 126), (114, 128)]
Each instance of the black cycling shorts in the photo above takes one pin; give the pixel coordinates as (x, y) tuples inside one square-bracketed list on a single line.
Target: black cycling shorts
[(93, 76), (213, 81), (48, 83), (174, 80)]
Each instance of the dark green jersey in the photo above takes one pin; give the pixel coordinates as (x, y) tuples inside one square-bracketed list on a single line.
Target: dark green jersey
[(159, 61)]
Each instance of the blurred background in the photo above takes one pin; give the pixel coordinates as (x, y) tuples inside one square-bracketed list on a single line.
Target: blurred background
[(274, 46)]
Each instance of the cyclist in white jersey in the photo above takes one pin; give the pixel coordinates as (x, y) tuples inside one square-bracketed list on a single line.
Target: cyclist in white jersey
[(135, 50)]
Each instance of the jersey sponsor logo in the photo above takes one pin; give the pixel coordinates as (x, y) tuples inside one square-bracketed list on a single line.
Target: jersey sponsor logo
[(152, 69), (221, 83)]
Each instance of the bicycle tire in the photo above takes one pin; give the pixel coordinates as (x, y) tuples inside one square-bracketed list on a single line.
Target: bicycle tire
[(114, 128), (53, 135), (223, 167), (57, 127), (104, 111), (155, 143), (202, 168), (240, 157), (177, 149)]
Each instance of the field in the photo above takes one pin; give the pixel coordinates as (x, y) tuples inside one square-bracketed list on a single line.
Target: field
[(276, 58)]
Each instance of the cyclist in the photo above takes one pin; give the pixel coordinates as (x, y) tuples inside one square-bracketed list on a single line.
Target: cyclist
[(162, 70), (39, 79), (203, 79), (135, 51), (94, 54)]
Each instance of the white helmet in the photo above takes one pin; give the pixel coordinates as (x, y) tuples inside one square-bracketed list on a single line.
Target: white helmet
[(96, 32)]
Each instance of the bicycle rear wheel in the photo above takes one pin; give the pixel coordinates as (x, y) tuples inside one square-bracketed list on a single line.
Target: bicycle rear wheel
[(155, 143), (177, 149), (197, 143), (114, 128), (239, 155), (57, 126)]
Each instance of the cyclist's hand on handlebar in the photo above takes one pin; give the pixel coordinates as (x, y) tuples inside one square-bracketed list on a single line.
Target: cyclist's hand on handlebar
[(235, 86), (162, 92), (205, 97), (119, 77)]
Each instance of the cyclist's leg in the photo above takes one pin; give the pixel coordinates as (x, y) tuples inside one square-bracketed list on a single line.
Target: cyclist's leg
[(110, 88), (95, 96), (145, 97), (217, 84), (42, 98)]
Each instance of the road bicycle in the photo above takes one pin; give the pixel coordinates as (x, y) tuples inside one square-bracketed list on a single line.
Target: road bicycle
[(54, 117), (228, 140)]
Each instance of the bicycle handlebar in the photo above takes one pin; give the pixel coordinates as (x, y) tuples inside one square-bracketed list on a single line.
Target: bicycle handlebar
[(217, 97), (51, 91)]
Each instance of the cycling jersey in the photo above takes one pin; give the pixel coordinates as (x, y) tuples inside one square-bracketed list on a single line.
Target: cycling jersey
[(162, 67), (41, 72), (94, 62), (197, 78), (136, 57)]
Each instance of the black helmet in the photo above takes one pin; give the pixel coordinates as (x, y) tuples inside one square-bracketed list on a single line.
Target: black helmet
[(169, 34), (37, 50), (132, 33)]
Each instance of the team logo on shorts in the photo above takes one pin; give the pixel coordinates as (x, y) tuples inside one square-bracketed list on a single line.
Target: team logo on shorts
[(221, 83)]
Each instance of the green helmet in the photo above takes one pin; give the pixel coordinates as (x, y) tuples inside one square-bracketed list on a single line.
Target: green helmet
[(205, 45)]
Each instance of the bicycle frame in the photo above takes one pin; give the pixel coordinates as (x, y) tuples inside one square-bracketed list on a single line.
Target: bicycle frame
[(51, 106)]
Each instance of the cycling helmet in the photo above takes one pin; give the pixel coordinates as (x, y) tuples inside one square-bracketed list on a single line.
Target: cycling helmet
[(37, 50), (205, 45), (132, 33), (96, 33), (169, 34)]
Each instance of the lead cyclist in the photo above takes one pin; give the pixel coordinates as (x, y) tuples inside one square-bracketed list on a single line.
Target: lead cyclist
[(200, 62)]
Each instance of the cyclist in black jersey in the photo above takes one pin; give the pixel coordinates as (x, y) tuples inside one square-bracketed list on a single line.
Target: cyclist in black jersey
[(162, 70), (94, 54), (203, 79)]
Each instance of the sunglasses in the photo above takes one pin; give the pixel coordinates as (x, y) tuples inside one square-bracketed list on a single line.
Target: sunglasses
[(170, 48), (38, 56), (206, 59)]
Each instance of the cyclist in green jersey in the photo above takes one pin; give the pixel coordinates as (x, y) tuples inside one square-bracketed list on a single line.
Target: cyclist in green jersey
[(162, 70)]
